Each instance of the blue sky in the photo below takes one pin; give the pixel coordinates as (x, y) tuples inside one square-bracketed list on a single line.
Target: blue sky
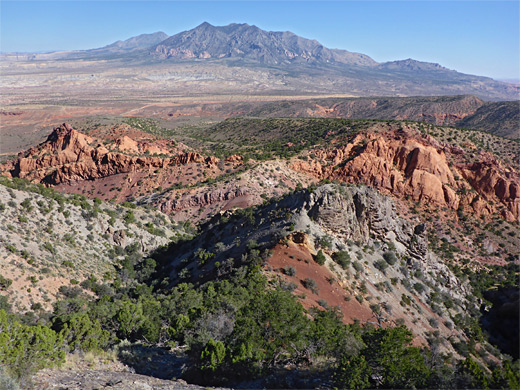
[(481, 37)]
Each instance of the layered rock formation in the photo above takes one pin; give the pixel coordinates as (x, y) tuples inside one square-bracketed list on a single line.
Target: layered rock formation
[(357, 220), (363, 214), (404, 164), (398, 161), (68, 155), (200, 199)]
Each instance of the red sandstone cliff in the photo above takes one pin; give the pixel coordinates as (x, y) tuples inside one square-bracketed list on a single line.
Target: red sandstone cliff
[(68, 155), (404, 164)]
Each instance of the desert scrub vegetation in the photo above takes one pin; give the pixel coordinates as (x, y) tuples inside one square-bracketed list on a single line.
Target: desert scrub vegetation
[(80, 237), (289, 271), (320, 257), (265, 138), (25, 349), (240, 327), (342, 258), (311, 284), (235, 324), (148, 125)]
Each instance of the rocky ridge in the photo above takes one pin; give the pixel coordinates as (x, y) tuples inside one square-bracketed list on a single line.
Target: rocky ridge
[(68, 155), (74, 162), (500, 118), (233, 59), (356, 220), (404, 163), (250, 42), (449, 180), (399, 160)]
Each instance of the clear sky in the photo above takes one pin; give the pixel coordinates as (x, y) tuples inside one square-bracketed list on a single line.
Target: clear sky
[(476, 37)]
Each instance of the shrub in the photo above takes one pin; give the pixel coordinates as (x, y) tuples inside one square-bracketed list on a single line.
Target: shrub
[(213, 355), (320, 257), (311, 285), (70, 292), (6, 382), (82, 334), (290, 271), (375, 308), (203, 256), (352, 373), (48, 246), (5, 283), (251, 244), (129, 217), (291, 286), (381, 265), (326, 242), (405, 300), (390, 257), (26, 349), (342, 258), (11, 248), (433, 322), (323, 303), (357, 266), (389, 353), (26, 204)]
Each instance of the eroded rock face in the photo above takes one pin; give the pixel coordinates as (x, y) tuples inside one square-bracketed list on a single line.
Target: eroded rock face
[(358, 220), (493, 183), (127, 144), (68, 155), (401, 164), (364, 214), (226, 198)]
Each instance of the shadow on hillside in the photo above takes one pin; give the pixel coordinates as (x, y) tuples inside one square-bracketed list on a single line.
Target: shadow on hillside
[(163, 364), (153, 361), (502, 321)]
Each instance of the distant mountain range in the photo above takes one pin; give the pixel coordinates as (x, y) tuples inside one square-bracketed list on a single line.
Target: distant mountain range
[(306, 63), (250, 42)]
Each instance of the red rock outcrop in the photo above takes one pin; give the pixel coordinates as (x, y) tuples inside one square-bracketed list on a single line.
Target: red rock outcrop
[(235, 158), (405, 165), (127, 144), (68, 155), (494, 184)]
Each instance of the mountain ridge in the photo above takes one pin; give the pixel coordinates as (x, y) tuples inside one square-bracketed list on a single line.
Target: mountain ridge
[(259, 60), (245, 41), (137, 42)]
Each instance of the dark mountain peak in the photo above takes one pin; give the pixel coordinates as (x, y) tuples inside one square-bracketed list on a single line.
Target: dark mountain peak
[(249, 42)]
